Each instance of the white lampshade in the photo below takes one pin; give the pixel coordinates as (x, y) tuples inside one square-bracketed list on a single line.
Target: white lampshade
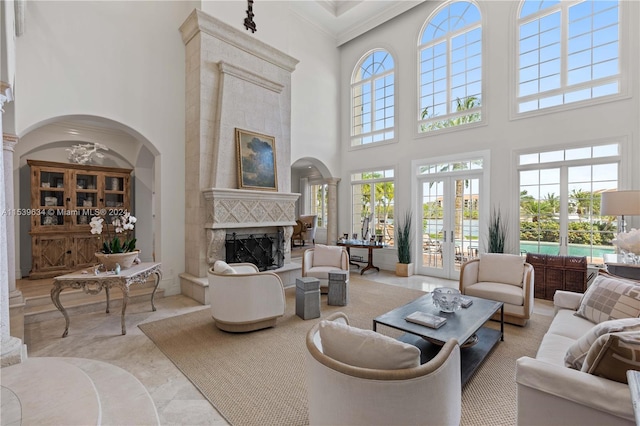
[(620, 203)]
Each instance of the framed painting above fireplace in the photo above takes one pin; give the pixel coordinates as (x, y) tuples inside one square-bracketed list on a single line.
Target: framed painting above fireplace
[(256, 161)]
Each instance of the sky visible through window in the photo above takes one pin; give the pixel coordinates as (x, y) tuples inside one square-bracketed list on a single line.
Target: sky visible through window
[(586, 33), (373, 99), (450, 56)]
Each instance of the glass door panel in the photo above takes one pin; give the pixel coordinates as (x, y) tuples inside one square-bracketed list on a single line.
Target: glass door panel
[(540, 211), (432, 227), (466, 229), (590, 234), (450, 224)]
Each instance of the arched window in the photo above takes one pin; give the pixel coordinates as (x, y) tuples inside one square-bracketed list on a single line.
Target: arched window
[(450, 55), (567, 52), (373, 99)]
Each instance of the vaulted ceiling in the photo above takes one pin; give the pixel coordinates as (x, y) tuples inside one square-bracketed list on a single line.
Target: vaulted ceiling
[(347, 19)]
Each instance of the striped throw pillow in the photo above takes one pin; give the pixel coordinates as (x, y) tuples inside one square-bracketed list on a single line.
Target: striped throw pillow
[(613, 354), (578, 351), (610, 297)]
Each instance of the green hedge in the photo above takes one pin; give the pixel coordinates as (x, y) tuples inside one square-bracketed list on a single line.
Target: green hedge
[(579, 232)]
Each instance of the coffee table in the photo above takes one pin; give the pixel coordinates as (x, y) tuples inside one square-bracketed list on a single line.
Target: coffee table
[(462, 325)]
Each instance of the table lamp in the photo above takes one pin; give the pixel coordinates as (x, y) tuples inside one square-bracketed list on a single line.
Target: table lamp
[(620, 203)]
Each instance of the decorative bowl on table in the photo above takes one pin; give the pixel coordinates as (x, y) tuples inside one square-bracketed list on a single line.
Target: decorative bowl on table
[(446, 299)]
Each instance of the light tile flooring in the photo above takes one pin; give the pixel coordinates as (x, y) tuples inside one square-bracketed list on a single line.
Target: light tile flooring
[(97, 336)]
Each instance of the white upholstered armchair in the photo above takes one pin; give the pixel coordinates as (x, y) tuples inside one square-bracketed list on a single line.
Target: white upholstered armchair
[(506, 278), (399, 391), (244, 299), (320, 260)]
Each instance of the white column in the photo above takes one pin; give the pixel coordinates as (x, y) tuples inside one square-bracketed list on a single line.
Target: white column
[(10, 347), (8, 144), (303, 201), (332, 210)]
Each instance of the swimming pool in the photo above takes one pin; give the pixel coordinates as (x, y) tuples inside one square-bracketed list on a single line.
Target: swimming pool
[(574, 249)]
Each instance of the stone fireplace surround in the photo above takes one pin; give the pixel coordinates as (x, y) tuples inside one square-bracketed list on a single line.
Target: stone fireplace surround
[(233, 80), (243, 211)]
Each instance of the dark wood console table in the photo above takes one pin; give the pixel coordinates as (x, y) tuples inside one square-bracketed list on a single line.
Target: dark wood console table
[(362, 245), (553, 273)]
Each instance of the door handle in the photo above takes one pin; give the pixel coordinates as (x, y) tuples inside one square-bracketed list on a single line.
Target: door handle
[(444, 234), (451, 236)]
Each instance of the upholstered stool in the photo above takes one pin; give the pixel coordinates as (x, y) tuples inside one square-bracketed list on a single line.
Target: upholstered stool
[(308, 298), (338, 288)]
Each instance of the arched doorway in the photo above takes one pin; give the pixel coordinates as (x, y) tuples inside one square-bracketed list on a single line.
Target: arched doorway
[(312, 179), (50, 140)]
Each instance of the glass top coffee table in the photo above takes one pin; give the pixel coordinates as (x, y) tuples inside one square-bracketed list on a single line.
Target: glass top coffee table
[(464, 325)]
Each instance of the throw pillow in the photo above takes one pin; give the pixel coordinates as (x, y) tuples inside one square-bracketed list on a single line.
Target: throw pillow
[(610, 297), (613, 354), (578, 351), (221, 267), (326, 255), (366, 348), (501, 268)]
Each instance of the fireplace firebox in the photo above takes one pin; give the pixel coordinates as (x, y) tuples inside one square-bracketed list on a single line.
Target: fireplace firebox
[(266, 251)]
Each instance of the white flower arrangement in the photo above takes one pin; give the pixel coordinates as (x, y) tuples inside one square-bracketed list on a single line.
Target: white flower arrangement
[(628, 241), (121, 225)]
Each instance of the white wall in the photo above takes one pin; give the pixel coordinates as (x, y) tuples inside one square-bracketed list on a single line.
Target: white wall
[(123, 61), (315, 81), (501, 135)]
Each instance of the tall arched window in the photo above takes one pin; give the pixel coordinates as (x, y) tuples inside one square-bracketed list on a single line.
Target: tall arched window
[(450, 55), (567, 52), (373, 99)]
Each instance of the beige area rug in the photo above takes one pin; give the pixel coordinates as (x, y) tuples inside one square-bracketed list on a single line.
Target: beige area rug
[(258, 378)]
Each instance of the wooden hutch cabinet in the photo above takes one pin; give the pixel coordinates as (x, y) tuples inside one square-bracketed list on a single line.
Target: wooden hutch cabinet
[(64, 198)]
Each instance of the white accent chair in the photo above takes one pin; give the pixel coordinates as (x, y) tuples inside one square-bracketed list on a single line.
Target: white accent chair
[(320, 260), (506, 278), (244, 299), (344, 394)]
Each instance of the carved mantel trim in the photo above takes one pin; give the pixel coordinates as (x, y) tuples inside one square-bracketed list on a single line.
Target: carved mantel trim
[(239, 208)]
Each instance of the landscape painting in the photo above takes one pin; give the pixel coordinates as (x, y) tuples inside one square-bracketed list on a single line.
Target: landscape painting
[(256, 161)]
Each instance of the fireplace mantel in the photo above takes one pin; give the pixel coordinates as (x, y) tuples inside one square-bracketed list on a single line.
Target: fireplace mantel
[(241, 208)]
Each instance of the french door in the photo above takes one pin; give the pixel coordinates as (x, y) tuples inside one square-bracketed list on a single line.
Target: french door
[(450, 217)]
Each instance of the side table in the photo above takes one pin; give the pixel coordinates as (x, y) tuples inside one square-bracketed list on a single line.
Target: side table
[(308, 298), (338, 288), (93, 284)]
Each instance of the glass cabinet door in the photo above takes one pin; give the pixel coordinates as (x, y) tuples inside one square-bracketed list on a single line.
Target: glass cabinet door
[(52, 198), (86, 198)]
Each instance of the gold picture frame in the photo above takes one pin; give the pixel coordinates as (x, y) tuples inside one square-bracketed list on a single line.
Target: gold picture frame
[(256, 161)]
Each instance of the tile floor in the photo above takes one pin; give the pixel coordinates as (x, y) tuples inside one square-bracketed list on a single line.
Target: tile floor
[(97, 336)]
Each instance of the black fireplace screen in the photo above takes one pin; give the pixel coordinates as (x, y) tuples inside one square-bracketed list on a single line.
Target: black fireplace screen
[(266, 251)]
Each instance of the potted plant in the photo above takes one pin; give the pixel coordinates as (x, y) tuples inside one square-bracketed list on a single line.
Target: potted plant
[(115, 252), (497, 232), (404, 267)]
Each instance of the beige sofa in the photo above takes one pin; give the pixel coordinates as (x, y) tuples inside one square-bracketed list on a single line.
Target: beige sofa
[(549, 393)]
